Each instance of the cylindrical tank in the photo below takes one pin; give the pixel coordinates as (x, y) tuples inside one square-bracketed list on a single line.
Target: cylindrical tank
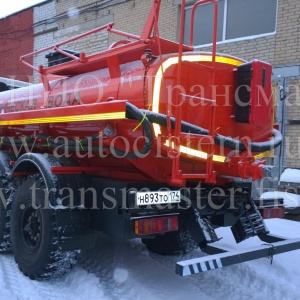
[(153, 87)]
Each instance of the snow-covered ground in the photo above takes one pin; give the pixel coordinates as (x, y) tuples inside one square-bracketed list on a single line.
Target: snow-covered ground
[(117, 269)]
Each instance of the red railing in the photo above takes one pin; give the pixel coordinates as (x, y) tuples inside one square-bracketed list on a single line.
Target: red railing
[(177, 175), (215, 23), (209, 175), (81, 57)]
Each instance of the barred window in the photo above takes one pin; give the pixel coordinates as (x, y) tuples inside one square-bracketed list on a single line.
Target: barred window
[(237, 19)]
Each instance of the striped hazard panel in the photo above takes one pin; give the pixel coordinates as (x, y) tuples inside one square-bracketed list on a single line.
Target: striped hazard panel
[(197, 266), (231, 257)]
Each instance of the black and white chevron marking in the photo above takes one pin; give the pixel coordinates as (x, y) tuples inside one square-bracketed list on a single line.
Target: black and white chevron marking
[(212, 262), (199, 267)]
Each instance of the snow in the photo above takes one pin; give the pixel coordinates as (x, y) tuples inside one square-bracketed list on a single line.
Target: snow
[(291, 201), (117, 269), (290, 175)]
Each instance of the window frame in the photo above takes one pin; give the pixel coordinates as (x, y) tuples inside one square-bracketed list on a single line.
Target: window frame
[(224, 27)]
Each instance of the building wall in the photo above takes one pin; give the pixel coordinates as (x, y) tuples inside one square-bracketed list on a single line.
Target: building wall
[(292, 127), (128, 16), (262, 48), (131, 18), (59, 20), (287, 53), (74, 17), (16, 39), (288, 34), (45, 26)]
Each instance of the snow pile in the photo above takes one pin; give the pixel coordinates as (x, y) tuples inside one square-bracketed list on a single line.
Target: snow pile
[(290, 175), (120, 275), (290, 200)]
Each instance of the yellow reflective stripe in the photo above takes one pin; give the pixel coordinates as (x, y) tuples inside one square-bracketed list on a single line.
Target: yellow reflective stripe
[(90, 117), (262, 155), (174, 60), (228, 61), (222, 59), (200, 154), (197, 153), (203, 155)]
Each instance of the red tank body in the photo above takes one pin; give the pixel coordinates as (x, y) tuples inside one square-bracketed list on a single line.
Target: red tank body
[(89, 100)]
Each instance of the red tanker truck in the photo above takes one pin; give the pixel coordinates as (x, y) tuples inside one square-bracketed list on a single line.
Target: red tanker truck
[(147, 139)]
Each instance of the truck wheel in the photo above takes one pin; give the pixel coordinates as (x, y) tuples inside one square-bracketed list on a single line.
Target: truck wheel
[(7, 190), (5, 210), (34, 233), (171, 243)]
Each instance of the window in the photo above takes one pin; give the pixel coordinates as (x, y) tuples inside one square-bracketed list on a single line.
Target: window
[(237, 19)]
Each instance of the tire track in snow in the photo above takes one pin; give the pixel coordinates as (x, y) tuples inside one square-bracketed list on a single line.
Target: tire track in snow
[(20, 287), (15, 286), (121, 270), (141, 277), (146, 272), (257, 279)]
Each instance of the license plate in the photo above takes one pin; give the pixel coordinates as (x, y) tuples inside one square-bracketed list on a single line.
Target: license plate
[(160, 197)]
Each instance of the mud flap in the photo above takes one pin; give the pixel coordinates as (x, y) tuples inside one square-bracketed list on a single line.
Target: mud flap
[(199, 228), (74, 230), (250, 224)]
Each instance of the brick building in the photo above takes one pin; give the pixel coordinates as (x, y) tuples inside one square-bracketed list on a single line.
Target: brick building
[(16, 36), (252, 29)]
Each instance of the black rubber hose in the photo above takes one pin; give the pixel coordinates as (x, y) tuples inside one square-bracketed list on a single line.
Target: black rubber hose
[(138, 115), (220, 140), (146, 117)]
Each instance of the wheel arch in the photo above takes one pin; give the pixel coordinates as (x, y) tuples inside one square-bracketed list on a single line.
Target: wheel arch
[(32, 163)]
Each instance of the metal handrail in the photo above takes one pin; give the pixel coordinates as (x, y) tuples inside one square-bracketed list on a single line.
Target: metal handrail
[(215, 23), (176, 172), (81, 58)]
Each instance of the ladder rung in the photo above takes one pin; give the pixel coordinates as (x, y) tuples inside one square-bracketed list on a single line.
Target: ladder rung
[(194, 176)]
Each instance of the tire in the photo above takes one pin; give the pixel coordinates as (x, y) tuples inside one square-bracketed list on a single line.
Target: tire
[(171, 243), (5, 209), (7, 194), (34, 234), (7, 190)]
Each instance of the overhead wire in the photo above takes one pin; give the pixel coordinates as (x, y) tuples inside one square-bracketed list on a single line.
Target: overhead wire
[(9, 34)]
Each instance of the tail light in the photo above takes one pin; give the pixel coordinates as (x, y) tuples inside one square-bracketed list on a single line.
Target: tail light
[(155, 225)]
